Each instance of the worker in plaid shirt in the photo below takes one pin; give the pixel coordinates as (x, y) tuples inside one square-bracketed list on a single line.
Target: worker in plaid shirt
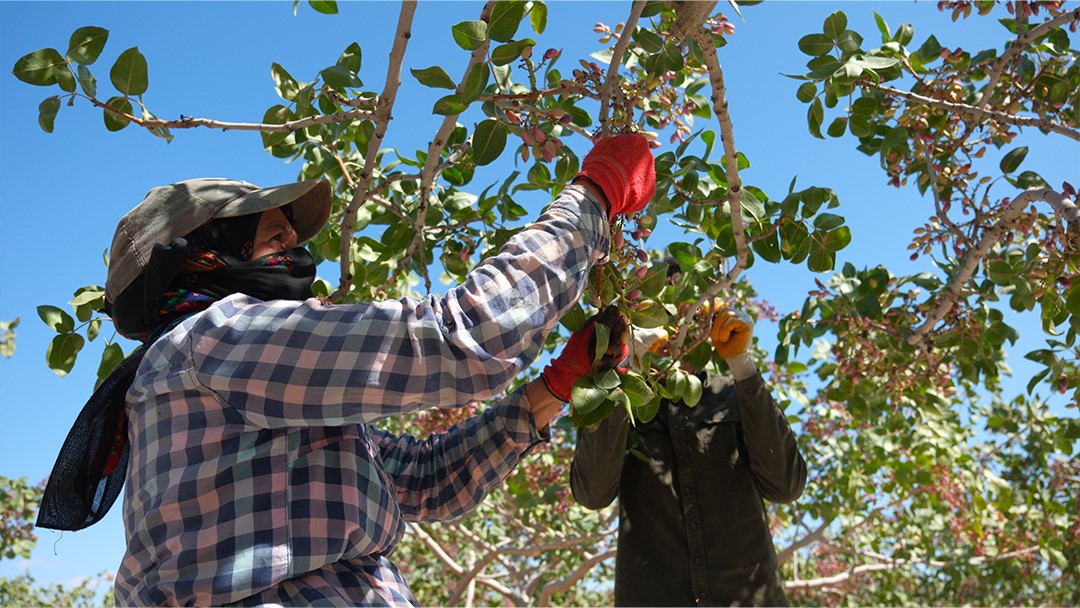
[(243, 427)]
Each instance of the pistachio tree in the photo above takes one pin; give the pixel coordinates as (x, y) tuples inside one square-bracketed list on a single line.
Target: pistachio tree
[(929, 484)]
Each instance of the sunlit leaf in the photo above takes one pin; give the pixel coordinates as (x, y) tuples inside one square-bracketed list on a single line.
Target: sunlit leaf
[(129, 73)]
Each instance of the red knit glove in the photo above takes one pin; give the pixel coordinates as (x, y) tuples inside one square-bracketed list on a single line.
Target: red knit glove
[(623, 167), (576, 359)]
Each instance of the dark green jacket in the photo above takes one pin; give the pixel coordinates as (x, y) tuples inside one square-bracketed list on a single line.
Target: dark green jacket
[(693, 529)]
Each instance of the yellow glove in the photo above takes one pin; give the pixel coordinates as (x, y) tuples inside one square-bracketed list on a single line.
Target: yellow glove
[(731, 332)]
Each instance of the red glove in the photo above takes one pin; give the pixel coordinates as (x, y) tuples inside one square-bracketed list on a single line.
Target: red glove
[(623, 167), (577, 356)]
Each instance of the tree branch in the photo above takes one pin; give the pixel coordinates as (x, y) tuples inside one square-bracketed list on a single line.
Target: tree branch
[(383, 115), (1067, 207), (979, 113), (190, 122), (1019, 44), (572, 578), (896, 564), (612, 76), (734, 193)]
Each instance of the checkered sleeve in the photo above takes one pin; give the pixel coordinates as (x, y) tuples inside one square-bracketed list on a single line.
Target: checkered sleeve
[(445, 475), (287, 364)]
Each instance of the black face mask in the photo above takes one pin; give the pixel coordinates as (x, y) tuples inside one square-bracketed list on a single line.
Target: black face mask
[(287, 275)]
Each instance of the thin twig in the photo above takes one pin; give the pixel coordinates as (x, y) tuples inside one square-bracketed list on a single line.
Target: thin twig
[(978, 113)]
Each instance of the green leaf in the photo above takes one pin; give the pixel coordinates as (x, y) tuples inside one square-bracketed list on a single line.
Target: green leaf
[(837, 239), (57, 320), (40, 68), (648, 411), (86, 44), (673, 57), (505, 17), (904, 34), (1030, 179), (650, 42), (449, 106), (285, 85), (585, 397), (815, 45), (489, 141), (828, 221), (835, 24), (47, 111), (434, 77), (470, 35), (838, 126), (62, 351), (849, 41), (883, 27), (538, 16), (636, 389), (129, 73), (276, 115), (87, 81), (694, 390), (814, 117), (351, 58), (1013, 159), (340, 78), (601, 336), (114, 122), (820, 259), (475, 82), (1000, 272), (676, 384), (509, 52), (1072, 301), (110, 358), (806, 92), (608, 379), (649, 314), (929, 51), (326, 7)]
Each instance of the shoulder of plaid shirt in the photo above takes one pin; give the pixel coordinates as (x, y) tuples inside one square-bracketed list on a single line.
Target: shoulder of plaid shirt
[(255, 474)]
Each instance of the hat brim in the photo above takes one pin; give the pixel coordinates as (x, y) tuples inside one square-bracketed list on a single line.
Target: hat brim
[(311, 202)]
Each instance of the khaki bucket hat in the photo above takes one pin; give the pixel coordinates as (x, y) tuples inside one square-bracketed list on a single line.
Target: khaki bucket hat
[(173, 211)]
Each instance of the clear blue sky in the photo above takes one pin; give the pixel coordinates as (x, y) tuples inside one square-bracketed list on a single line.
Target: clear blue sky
[(61, 194)]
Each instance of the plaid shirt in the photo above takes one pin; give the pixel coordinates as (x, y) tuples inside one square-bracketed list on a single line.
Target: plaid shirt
[(256, 476)]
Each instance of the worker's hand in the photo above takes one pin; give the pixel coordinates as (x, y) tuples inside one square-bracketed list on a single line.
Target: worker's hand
[(622, 166), (731, 332), (653, 340), (576, 359)]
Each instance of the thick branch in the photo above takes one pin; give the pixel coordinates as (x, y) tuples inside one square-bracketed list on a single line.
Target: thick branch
[(612, 77), (1067, 207), (979, 114), (1021, 42), (383, 114), (734, 193)]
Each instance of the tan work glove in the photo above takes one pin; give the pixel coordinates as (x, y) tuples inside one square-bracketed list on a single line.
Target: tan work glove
[(731, 334)]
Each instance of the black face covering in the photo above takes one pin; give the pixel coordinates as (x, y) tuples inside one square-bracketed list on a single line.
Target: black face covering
[(181, 279)]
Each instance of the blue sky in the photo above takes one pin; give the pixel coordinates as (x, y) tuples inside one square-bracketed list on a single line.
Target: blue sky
[(61, 194)]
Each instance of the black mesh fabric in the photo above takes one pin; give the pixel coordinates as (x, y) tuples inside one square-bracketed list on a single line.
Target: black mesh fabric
[(89, 471)]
